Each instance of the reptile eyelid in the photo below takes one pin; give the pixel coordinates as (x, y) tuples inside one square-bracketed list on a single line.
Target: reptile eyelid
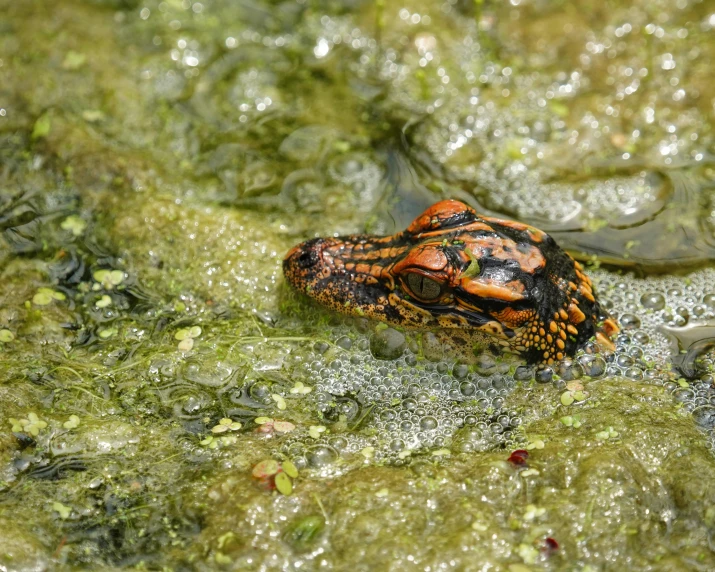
[(423, 287)]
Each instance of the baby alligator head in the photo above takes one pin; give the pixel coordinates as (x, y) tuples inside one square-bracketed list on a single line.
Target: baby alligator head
[(454, 269)]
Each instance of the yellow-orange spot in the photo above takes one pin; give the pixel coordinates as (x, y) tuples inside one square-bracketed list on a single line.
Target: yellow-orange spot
[(576, 316), (542, 332), (563, 314), (559, 356), (572, 330), (561, 344), (553, 327), (605, 342), (549, 338), (562, 334), (609, 327), (586, 291)]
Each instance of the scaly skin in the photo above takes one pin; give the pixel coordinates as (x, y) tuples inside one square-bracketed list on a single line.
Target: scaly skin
[(451, 269)]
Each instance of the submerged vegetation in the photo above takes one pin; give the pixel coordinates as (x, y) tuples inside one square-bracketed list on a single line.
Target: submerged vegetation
[(166, 401)]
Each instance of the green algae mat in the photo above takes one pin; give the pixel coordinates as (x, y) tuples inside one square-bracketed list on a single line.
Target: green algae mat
[(168, 403)]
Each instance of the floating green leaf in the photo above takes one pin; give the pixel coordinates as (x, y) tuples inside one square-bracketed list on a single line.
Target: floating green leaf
[(284, 484), (72, 422), (290, 469), (42, 126), (266, 468), (62, 510), (74, 224)]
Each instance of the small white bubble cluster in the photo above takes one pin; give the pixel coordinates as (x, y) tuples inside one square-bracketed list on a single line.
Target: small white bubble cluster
[(408, 406)]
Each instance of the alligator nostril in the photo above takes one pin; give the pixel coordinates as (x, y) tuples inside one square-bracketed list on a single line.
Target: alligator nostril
[(307, 259)]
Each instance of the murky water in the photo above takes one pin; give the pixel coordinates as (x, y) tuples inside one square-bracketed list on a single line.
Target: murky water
[(157, 159)]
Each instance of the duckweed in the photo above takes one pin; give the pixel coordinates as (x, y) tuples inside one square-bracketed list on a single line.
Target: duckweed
[(188, 333), (609, 433), (32, 425), (106, 333), (72, 423), (62, 510), (42, 126), (571, 421), (108, 279), (284, 484), (290, 469), (300, 389), (104, 301), (315, 430), (269, 425), (266, 468), (45, 296), (74, 224), (226, 424)]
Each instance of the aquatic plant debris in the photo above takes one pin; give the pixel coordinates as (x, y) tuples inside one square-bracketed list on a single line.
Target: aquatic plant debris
[(32, 425), (161, 158)]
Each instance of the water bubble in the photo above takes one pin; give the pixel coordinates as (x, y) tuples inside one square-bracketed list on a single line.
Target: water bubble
[(467, 389), (428, 423), (634, 373), (388, 415), (524, 373), (699, 310), (460, 371), (623, 339), (321, 347), (339, 443), (683, 394), (344, 342), (569, 370), (486, 364), (630, 322), (655, 301), (397, 445), (321, 456), (705, 416), (641, 337), (388, 344), (593, 365), (544, 375)]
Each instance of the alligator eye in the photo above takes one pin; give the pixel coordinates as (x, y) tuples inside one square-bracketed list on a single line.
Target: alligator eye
[(424, 287)]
